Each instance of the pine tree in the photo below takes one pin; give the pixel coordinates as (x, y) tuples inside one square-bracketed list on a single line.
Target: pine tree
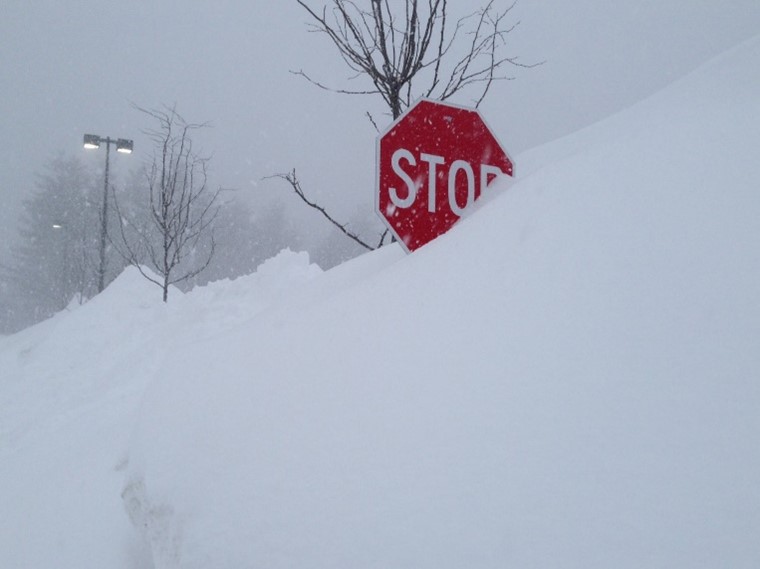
[(54, 260)]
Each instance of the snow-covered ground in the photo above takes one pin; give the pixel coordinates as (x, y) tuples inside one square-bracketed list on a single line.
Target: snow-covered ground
[(569, 378)]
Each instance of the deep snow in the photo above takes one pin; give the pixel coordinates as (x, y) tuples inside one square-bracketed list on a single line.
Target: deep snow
[(568, 378)]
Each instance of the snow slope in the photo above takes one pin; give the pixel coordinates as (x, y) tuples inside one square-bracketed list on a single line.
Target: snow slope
[(68, 392), (569, 378)]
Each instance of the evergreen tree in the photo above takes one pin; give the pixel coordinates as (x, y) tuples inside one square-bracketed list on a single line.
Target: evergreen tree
[(55, 259)]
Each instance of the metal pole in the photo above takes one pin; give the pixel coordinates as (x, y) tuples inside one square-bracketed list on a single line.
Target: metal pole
[(104, 223)]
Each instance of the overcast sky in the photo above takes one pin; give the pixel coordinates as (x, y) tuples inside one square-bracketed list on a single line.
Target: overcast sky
[(69, 67)]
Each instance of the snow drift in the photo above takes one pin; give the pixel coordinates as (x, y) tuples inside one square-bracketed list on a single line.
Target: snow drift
[(567, 379), (570, 379)]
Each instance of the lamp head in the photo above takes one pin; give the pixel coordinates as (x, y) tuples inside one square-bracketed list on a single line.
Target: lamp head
[(91, 141), (124, 145)]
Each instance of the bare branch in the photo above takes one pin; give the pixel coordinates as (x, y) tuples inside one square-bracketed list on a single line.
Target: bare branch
[(372, 120), (292, 179), (326, 88), (392, 45), (382, 238)]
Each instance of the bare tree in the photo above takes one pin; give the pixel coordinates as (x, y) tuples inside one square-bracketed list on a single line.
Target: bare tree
[(395, 46), (181, 207), (412, 49)]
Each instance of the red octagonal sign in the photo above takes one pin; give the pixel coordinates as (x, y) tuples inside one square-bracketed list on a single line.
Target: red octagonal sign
[(433, 162)]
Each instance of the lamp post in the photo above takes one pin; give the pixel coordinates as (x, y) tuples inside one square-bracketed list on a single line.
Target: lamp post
[(124, 146)]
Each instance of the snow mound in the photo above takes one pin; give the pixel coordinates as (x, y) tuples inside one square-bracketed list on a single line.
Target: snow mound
[(566, 379), (69, 390)]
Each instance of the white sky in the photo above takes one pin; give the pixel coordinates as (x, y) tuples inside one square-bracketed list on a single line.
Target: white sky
[(67, 68)]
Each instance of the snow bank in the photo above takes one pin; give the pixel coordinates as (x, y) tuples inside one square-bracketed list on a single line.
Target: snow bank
[(69, 390), (566, 379), (569, 378)]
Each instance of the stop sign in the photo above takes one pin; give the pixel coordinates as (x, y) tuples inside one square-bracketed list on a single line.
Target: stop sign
[(433, 162)]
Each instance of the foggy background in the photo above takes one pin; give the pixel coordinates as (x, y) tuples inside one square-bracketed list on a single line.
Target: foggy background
[(73, 67)]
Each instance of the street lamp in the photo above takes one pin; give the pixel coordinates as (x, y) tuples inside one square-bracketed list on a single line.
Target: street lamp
[(124, 146)]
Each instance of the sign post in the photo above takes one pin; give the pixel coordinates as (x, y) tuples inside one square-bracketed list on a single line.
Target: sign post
[(434, 161)]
